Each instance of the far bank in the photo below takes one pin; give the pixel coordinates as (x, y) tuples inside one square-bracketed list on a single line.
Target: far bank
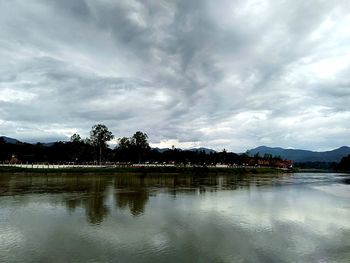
[(145, 170)]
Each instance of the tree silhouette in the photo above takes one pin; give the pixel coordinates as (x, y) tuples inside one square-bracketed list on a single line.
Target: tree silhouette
[(99, 135), (75, 138), (140, 144)]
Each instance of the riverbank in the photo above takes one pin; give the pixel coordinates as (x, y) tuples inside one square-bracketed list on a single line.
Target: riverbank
[(158, 170)]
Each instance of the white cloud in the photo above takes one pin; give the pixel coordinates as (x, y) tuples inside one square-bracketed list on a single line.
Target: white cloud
[(227, 74)]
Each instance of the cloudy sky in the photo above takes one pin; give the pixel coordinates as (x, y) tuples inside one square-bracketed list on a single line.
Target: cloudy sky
[(220, 74)]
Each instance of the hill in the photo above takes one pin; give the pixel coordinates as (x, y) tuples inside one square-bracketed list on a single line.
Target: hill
[(206, 150), (298, 155), (9, 140)]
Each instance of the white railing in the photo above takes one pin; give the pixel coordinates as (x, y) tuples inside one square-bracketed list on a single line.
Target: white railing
[(115, 165)]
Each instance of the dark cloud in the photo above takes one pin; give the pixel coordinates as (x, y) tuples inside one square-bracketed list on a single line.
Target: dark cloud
[(222, 74)]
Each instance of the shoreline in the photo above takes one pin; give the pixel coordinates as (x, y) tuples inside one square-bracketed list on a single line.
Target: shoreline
[(142, 170)]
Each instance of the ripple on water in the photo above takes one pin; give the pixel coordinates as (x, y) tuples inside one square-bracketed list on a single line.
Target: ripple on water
[(10, 239), (300, 218), (339, 190)]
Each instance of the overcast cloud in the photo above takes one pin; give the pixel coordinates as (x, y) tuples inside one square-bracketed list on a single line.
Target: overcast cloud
[(221, 74)]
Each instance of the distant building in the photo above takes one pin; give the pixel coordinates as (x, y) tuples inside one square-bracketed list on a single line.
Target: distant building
[(270, 162), (263, 162), (14, 159), (284, 164)]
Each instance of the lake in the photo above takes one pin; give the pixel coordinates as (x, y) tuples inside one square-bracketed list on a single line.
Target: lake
[(302, 217)]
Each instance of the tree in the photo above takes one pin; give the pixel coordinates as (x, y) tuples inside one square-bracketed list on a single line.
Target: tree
[(123, 149), (99, 135), (140, 143), (267, 156), (344, 164), (124, 143), (75, 147), (75, 138)]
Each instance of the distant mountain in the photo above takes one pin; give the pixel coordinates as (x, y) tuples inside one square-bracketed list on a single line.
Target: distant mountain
[(14, 141), (9, 140), (161, 150), (303, 155), (206, 150), (48, 144)]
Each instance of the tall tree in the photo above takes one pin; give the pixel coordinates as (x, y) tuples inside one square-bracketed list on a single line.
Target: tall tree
[(124, 149), (140, 143), (75, 147), (99, 135)]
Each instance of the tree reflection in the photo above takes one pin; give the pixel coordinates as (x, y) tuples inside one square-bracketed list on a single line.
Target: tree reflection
[(90, 195), (135, 200), (96, 210), (132, 192), (129, 191), (71, 204)]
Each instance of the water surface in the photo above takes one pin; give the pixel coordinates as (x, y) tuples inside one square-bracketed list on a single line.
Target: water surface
[(172, 218)]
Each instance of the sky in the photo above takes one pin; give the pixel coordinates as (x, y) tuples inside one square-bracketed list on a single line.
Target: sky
[(200, 73)]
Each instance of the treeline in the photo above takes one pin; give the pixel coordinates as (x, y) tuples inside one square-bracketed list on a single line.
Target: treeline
[(134, 149), (344, 164), (317, 165)]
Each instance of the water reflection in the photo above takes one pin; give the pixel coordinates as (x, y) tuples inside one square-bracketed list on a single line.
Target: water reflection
[(130, 191), (346, 181), (94, 203), (136, 201), (172, 218)]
